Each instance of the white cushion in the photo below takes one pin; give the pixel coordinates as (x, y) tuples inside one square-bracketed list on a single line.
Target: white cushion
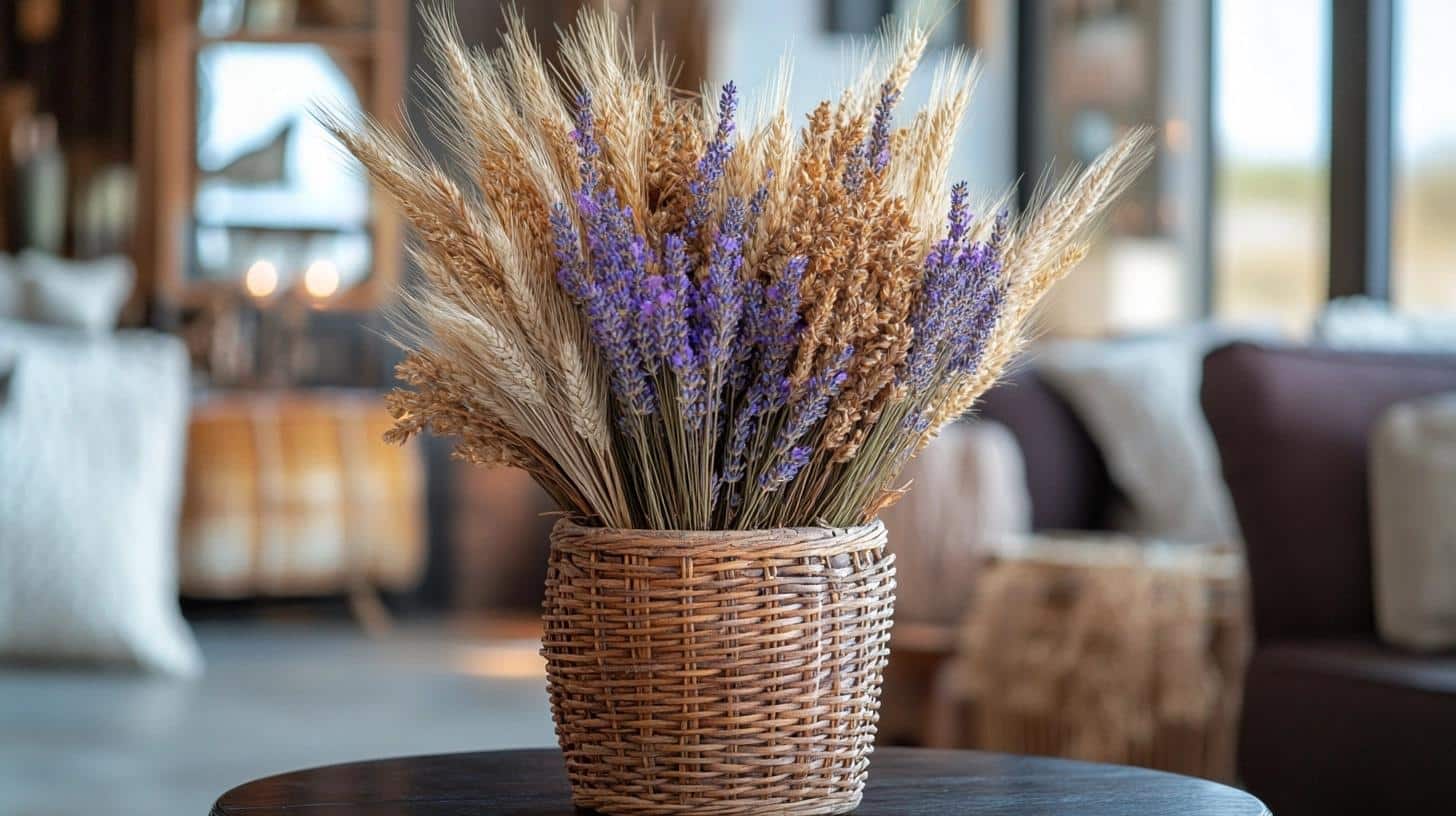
[(91, 444), (1413, 513), (84, 295), (1139, 401)]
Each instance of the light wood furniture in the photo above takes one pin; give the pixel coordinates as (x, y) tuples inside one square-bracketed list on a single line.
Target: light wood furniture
[(295, 493), (372, 54)]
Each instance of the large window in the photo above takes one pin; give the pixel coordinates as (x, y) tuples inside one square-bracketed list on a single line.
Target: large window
[(1423, 217), (1271, 120)]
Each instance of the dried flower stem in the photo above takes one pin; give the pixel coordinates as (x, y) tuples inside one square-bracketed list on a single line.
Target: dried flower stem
[(674, 318)]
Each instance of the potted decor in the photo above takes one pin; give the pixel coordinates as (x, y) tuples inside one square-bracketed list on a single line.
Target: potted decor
[(716, 345)]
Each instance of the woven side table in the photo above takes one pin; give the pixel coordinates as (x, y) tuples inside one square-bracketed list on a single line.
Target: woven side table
[(1104, 648)]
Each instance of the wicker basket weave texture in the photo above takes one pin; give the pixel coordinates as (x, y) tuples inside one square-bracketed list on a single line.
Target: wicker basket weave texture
[(717, 672)]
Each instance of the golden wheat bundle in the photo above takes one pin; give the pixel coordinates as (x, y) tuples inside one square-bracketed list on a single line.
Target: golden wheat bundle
[(674, 322)]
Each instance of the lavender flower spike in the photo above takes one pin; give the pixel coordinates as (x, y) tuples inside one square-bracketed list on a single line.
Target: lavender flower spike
[(958, 220), (585, 137), (874, 152), (736, 462), (571, 267), (811, 406), (720, 300), (776, 331), (662, 307), (607, 281), (942, 295), (710, 166), (983, 296), (787, 468), (879, 142), (773, 332)]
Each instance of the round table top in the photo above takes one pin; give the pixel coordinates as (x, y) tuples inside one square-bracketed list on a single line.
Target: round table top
[(903, 782)]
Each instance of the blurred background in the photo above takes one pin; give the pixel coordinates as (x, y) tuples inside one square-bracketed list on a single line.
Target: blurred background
[(1154, 532)]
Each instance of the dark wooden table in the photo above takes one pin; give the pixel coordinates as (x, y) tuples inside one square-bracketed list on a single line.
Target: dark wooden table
[(903, 782)]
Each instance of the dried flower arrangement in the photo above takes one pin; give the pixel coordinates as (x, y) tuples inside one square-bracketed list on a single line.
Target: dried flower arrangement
[(676, 321)]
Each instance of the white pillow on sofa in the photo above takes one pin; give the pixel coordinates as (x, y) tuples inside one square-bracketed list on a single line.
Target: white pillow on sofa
[(1139, 400), (1413, 513), (92, 434)]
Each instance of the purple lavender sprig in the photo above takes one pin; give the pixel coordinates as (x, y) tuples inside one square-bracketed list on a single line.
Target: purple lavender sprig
[(720, 295), (873, 153), (607, 281), (710, 166), (855, 167), (775, 330), (588, 150), (745, 423), (879, 141), (756, 204), (939, 295), (571, 266), (960, 300), (972, 328), (603, 316), (753, 298), (786, 469), (744, 351), (810, 407), (663, 306), (773, 335)]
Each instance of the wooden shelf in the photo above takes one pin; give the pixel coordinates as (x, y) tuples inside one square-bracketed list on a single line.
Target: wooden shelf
[(355, 42), (373, 57), (364, 227)]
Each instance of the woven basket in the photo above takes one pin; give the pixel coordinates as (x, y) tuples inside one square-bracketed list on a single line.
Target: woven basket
[(717, 672)]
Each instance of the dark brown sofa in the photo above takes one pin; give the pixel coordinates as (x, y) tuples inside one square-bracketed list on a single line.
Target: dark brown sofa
[(1334, 721)]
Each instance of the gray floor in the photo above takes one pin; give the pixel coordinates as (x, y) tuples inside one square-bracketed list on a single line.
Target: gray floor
[(275, 697)]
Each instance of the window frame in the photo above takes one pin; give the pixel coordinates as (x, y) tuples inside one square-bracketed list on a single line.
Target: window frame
[(1362, 91), (1361, 139)]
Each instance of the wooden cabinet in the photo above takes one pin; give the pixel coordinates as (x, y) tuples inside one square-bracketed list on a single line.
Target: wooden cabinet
[(296, 494)]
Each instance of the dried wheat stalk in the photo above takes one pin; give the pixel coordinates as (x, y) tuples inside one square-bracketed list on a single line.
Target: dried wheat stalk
[(674, 321)]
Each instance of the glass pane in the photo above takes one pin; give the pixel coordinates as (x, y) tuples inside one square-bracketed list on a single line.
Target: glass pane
[(272, 184), (1423, 269), (1110, 67), (1271, 114)]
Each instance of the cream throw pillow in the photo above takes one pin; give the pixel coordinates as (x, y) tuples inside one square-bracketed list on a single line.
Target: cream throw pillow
[(1413, 512), (1139, 401), (91, 443)]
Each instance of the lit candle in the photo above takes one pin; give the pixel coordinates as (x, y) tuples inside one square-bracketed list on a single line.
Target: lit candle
[(261, 279), (321, 279)]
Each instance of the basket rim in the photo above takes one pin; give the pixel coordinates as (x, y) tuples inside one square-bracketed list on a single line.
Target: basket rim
[(773, 542), (571, 525)]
